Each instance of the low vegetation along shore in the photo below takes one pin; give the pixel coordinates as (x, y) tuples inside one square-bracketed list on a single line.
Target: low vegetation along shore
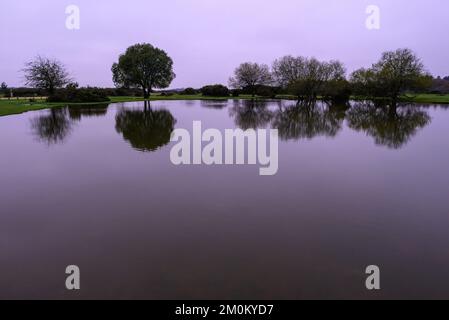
[(20, 105)]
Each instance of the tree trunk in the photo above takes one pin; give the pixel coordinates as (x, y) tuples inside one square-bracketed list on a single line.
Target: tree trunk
[(145, 94)]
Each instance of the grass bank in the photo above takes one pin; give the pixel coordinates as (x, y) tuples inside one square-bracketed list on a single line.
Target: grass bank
[(16, 106)]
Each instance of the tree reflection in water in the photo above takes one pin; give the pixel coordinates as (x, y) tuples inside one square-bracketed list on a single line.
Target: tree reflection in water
[(308, 121), (214, 104), (251, 114), (52, 128), (145, 130), (95, 110), (389, 126)]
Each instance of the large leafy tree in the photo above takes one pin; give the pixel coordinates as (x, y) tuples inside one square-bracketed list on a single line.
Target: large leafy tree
[(44, 73), (143, 66), (249, 76)]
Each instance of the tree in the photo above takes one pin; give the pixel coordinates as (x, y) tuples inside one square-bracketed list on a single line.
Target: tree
[(249, 76), (4, 87), (47, 74), (145, 67), (288, 69), (307, 77), (396, 73)]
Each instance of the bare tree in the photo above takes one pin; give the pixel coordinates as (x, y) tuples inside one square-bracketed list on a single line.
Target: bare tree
[(249, 76), (307, 77), (288, 69), (44, 73)]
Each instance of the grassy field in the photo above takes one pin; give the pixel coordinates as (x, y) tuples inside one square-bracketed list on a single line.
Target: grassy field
[(430, 98), (8, 107), (19, 106)]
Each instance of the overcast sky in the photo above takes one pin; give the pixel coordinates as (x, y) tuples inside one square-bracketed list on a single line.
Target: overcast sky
[(207, 39)]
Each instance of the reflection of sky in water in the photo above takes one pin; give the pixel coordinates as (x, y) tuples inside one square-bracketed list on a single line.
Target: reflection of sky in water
[(355, 187)]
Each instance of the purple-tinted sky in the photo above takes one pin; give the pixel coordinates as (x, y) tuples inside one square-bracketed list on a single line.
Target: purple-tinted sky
[(207, 39)]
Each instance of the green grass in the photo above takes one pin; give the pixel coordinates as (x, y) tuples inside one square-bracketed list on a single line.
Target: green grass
[(8, 107), (429, 98), (14, 106)]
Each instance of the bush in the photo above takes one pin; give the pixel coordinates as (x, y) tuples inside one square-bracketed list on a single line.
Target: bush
[(167, 94), (217, 90), (236, 93), (80, 95), (263, 91), (27, 92), (337, 91), (189, 92), (126, 92)]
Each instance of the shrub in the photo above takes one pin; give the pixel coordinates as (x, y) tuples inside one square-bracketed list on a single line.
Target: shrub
[(27, 92), (80, 95), (236, 93), (217, 90), (133, 92), (189, 92), (167, 94), (337, 91)]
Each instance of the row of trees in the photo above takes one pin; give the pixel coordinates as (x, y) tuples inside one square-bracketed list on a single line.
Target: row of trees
[(396, 73), (306, 78), (144, 67)]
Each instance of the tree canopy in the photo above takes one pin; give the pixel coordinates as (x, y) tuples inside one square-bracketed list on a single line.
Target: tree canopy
[(143, 66), (250, 75), (396, 73)]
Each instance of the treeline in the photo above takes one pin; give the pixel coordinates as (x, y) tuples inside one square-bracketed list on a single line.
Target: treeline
[(142, 69), (396, 73), (219, 90)]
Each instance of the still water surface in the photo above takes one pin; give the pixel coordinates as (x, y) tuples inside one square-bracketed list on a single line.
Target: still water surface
[(94, 187)]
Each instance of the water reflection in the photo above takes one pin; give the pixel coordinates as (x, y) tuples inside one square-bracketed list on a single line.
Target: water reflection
[(392, 127), (214, 104), (52, 128), (308, 121), (217, 205), (77, 112), (389, 126), (251, 114), (145, 130)]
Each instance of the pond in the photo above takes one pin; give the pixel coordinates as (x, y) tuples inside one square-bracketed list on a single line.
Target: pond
[(95, 187)]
